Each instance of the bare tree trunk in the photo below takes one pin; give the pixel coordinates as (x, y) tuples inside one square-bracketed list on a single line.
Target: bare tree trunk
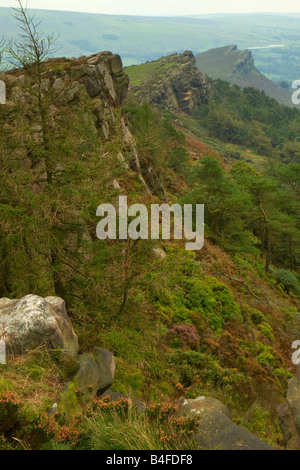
[(128, 276), (268, 251)]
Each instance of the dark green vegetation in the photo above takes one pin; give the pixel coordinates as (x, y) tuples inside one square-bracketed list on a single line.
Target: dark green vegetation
[(245, 117), (217, 322), (250, 118), (138, 39)]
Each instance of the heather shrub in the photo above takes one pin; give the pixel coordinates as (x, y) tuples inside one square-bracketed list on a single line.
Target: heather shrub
[(120, 425), (183, 336), (24, 428)]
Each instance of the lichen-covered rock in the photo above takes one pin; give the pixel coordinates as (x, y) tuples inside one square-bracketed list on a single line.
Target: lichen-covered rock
[(96, 373), (100, 73), (107, 367), (94, 376), (87, 378), (289, 416), (69, 404), (33, 321), (216, 430), (202, 405), (287, 425)]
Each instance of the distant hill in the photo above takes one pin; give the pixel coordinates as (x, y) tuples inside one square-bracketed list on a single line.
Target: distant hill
[(140, 39), (235, 66)]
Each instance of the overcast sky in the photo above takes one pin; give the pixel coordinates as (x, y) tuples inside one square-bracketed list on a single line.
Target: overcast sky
[(162, 7)]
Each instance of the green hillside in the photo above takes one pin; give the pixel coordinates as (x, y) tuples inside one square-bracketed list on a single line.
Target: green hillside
[(221, 62), (235, 66), (138, 343)]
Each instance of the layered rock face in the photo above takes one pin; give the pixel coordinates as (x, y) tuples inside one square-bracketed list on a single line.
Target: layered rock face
[(105, 82), (246, 64), (98, 80), (177, 84), (32, 321)]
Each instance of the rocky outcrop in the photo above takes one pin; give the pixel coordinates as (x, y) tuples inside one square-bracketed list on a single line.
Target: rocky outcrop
[(99, 80), (94, 376), (104, 81), (106, 364), (216, 430), (176, 84), (33, 321), (289, 416)]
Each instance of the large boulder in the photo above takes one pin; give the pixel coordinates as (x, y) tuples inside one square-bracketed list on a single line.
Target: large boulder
[(96, 373), (289, 416), (107, 367), (94, 376), (32, 321), (216, 430), (87, 378)]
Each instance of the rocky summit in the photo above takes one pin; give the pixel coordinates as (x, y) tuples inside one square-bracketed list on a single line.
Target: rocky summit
[(172, 81)]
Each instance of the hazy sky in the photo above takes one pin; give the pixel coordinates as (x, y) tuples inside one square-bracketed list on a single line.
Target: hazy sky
[(162, 7)]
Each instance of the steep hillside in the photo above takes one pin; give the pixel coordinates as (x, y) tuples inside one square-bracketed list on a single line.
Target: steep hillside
[(235, 66), (247, 117), (217, 322)]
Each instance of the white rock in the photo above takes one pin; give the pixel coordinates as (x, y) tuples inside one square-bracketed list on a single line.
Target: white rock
[(32, 321)]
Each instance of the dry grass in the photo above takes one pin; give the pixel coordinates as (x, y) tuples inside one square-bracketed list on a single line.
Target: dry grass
[(36, 377)]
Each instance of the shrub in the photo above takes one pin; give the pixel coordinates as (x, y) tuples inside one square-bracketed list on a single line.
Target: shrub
[(120, 425), (266, 330), (183, 336), (24, 428), (288, 280), (19, 424), (257, 317)]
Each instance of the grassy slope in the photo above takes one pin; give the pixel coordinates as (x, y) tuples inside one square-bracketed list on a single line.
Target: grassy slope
[(222, 63), (157, 301), (138, 39), (200, 145), (219, 63), (139, 73), (38, 379)]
